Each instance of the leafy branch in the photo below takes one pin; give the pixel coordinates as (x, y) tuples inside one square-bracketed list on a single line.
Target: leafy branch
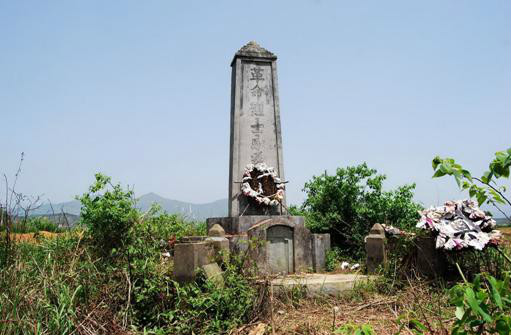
[(485, 188)]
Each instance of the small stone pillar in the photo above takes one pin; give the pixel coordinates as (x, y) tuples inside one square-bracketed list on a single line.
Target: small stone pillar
[(189, 256), (216, 237), (320, 247), (375, 248)]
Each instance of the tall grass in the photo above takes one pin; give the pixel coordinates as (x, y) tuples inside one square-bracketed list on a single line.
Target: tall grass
[(64, 286)]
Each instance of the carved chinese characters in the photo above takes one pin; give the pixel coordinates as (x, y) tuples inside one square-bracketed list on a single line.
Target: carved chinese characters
[(258, 110)]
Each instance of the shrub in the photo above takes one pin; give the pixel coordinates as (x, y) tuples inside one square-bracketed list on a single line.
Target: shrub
[(347, 204), (108, 212), (169, 226), (333, 259)]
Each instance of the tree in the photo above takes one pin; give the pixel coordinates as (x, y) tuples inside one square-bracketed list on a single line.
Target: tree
[(347, 204)]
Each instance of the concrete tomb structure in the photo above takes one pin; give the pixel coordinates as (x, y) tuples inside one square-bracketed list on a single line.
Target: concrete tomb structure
[(257, 203)]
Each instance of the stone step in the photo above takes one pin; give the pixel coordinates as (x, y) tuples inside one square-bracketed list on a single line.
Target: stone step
[(333, 284)]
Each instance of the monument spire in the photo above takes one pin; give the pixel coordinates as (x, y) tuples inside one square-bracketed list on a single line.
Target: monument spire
[(255, 123), (252, 49)]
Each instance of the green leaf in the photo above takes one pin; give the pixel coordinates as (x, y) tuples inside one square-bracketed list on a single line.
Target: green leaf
[(466, 174), (446, 168), (502, 327), (460, 311), (458, 180), (481, 198), (496, 197), (486, 177), (474, 305), (436, 161), (439, 173), (495, 292)]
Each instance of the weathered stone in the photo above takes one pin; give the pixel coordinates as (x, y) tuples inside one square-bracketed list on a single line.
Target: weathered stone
[(375, 248), (431, 262), (216, 230), (220, 247), (255, 123), (238, 243), (298, 244), (190, 239), (188, 257), (314, 284), (213, 273), (241, 224), (377, 229), (320, 247)]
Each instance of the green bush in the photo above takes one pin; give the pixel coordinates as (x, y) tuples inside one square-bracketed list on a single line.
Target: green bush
[(161, 305), (333, 259), (171, 225), (108, 212), (347, 204)]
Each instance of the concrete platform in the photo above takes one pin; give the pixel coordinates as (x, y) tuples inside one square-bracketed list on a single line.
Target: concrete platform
[(322, 283)]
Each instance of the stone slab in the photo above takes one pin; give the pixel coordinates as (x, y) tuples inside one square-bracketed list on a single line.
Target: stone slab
[(322, 284), (213, 273)]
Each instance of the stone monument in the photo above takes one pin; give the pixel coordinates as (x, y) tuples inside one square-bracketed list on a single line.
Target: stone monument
[(255, 123), (286, 245), (257, 203)]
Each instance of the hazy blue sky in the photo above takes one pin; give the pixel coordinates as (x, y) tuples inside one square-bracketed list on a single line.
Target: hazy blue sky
[(140, 90)]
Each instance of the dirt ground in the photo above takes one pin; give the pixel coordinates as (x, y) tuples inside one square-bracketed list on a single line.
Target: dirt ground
[(321, 316)]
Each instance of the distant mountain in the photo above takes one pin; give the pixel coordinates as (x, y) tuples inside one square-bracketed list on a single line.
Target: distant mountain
[(502, 222), (188, 210)]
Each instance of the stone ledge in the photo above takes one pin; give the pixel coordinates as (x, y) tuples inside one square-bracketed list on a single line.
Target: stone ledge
[(322, 283)]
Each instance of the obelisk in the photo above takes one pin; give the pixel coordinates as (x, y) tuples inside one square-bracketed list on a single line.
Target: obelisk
[(255, 123)]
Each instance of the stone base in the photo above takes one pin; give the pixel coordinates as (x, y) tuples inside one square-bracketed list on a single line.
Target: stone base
[(241, 224), (277, 243)]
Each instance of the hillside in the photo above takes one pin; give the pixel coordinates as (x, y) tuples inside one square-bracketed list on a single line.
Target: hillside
[(189, 210)]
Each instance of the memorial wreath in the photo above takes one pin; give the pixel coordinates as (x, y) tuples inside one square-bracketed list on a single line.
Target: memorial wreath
[(261, 184)]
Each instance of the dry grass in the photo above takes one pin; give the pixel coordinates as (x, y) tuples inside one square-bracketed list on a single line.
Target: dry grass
[(315, 316), (506, 231), (36, 237), (33, 237)]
